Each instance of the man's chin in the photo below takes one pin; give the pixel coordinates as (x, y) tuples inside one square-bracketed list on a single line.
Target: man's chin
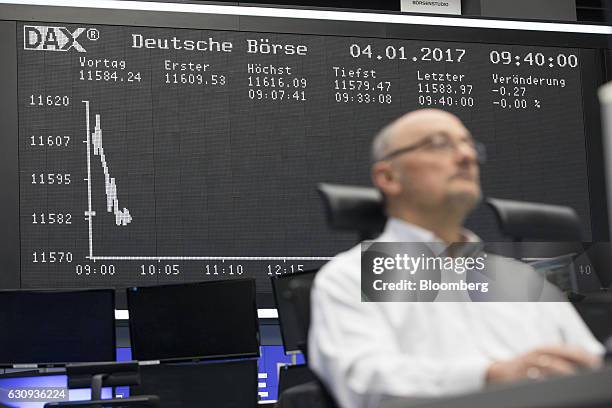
[(466, 198)]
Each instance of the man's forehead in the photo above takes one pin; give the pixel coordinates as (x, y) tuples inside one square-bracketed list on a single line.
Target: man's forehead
[(416, 125)]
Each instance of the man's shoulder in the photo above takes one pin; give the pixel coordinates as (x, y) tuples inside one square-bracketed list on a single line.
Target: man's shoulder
[(520, 281), (346, 266), (510, 262), (511, 267)]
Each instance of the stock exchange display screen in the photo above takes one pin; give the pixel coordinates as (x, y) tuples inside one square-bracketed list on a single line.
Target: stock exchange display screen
[(158, 155)]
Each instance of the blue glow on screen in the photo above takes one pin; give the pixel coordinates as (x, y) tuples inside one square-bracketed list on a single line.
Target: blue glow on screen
[(44, 381), (269, 364), (123, 354)]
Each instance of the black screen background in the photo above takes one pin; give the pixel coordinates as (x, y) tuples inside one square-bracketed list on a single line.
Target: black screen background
[(213, 173), (61, 327), (208, 320)]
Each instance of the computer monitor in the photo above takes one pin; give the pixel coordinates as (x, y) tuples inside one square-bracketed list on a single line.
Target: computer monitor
[(54, 328), (597, 261), (205, 320), (579, 266), (293, 330), (210, 384)]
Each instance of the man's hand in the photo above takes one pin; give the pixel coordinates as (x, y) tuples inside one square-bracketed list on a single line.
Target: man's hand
[(541, 363)]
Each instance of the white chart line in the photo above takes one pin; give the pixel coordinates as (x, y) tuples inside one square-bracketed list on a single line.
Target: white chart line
[(89, 213), (122, 216), (211, 258)]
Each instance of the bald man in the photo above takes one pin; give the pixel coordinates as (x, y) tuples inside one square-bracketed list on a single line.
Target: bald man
[(426, 165)]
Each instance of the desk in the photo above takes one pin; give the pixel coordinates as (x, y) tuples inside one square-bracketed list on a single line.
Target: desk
[(588, 390), (596, 311)]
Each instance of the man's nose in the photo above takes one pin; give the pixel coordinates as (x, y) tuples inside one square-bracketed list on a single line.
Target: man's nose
[(466, 153)]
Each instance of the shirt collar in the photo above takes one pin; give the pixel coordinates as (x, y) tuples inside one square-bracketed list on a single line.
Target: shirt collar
[(401, 231)]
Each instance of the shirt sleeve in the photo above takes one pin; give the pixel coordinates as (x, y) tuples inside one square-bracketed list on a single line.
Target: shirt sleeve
[(574, 331), (353, 349)]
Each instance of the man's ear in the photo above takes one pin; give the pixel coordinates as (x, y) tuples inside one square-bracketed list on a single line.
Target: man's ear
[(385, 179)]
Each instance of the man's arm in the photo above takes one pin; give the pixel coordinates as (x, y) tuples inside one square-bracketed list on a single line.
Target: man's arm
[(354, 350), (578, 350), (574, 330), (541, 363)]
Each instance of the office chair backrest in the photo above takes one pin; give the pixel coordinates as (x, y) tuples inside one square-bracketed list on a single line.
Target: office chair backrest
[(312, 394), (292, 293), (301, 302), (292, 375), (360, 209), (524, 220), (293, 318), (353, 208)]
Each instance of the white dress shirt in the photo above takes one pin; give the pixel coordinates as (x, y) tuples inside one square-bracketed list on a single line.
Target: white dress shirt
[(364, 352)]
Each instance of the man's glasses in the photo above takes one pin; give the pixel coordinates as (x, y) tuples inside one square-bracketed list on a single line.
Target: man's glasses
[(441, 143)]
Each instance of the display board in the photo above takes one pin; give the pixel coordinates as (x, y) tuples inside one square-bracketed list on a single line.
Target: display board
[(168, 154)]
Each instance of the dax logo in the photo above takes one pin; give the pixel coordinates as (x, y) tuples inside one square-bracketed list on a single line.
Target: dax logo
[(45, 38)]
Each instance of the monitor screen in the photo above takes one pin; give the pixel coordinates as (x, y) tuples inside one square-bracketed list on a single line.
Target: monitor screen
[(194, 321), (57, 327), (293, 327), (185, 143), (230, 384)]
